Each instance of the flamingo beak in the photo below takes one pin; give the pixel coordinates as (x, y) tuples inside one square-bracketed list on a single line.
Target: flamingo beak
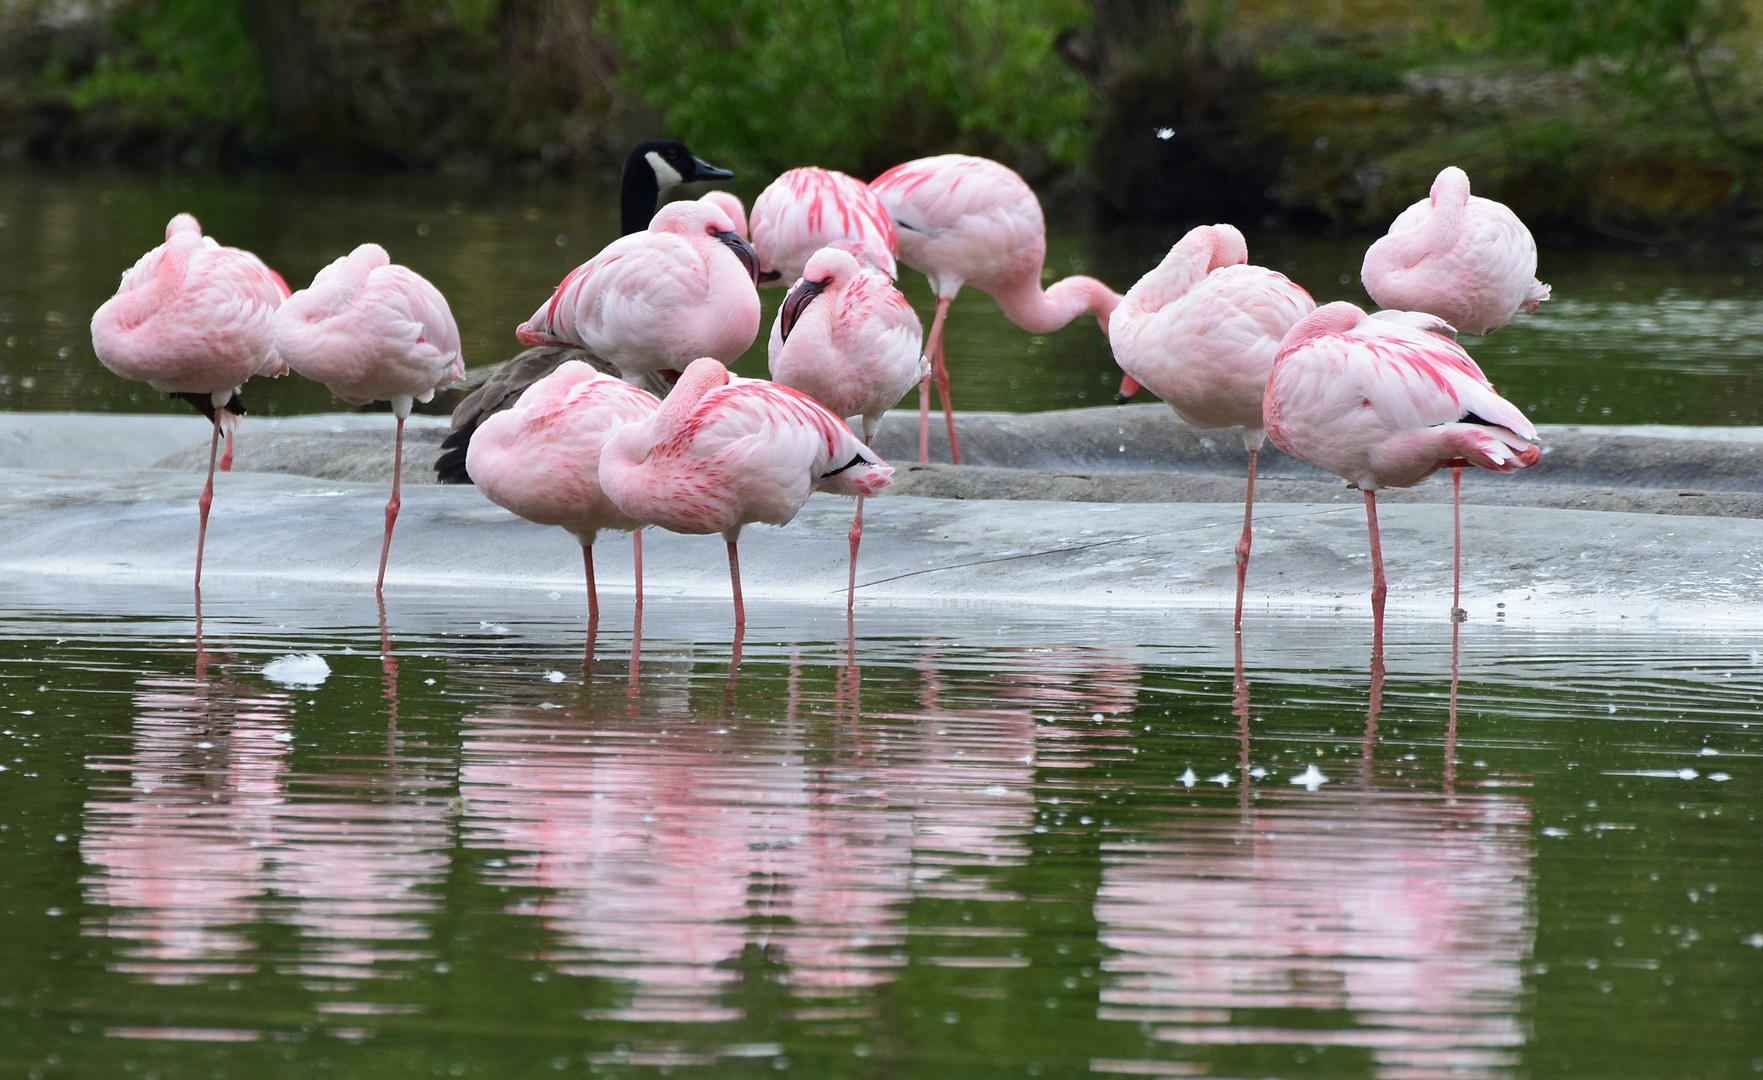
[(1128, 387), (743, 251), (800, 297), (703, 170)]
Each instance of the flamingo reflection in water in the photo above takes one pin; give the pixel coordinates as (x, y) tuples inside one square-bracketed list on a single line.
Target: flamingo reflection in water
[(199, 834), (1411, 912)]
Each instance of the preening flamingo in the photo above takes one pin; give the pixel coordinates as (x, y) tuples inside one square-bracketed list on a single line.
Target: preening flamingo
[(651, 168), (1382, 402), (1466, 259), (729, 203), (371, 330), (971, 221), (541, 458), (847, 338), (722, 453), (807, 209), (192, 318), (1200, 331), (654, 301)]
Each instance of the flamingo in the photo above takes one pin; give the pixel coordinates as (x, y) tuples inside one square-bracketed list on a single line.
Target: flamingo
[(651, 168), (730, 204), (541, 458), (1200, 330), (371, 330), (722, 453), (847, 338), (1466, 259), (1385, 401), (807, 209), (653, 301), (192, 318), (968, 220)]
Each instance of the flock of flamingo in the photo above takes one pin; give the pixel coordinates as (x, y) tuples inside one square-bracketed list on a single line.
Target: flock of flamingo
[(622, 412)]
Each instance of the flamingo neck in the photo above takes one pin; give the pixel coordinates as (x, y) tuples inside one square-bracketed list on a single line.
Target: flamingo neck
[(334, 295), (136, 306), (1203, 250), (676, 410), (1449, 202), (1044, 311)]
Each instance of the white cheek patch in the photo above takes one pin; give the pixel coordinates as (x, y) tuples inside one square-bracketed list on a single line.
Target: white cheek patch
[(666, 175)]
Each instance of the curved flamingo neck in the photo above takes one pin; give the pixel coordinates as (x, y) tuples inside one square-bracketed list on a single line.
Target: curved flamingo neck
[(1449, 203), (1335, 318), (1204, 249), (1044, 311), (338, 290), (701, 377), (136, 306)]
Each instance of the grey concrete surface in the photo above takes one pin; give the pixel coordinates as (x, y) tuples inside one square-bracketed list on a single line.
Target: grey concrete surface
[(1521, 564)]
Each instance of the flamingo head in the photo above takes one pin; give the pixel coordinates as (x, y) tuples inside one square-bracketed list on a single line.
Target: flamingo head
[(828, 268), (183, 223), (1336, 318), (699, 218), (1228, 248), (730, 204), (700, 377), (1450, 187)]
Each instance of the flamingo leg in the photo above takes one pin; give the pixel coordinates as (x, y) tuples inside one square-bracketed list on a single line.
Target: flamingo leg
[(593, 594), (226, 458), (856, 535), (734, 577), (1457, 612), (392, 505), (933, 347), (1451, 724), (637, 561), (1379, 587), (202, 505), (941, 372), (636, 648), (1247, 539)]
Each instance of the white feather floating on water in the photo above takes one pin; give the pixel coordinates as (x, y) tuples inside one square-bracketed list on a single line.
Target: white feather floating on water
[(300, 670)]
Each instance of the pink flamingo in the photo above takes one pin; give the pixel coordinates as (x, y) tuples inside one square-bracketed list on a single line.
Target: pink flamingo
[(541, 458), (1466, 259), (373, 331), (847, 338), (723, 452), (807, 209), (192, 319), (1200, 330), (654, 301), (1385, 401), (729, 203), (971, 221)]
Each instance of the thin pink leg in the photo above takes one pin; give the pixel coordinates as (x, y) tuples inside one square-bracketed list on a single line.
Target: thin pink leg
[(1240, 706), (1379, 588), (392, 505), (226, 458), (856, 535), (734, 576), (593, 594), (636, 647), (1246, 541), (637, 561), (933, 347), (941, 373), (1457, 612), (1451, 724), (202, 505)]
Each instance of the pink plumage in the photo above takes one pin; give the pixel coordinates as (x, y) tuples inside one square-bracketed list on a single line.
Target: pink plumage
[(971, 221), (656, 300), (373, 331), (722, 453), (807, 209), (541, 458), (729, 203), (1466, 259), (1200, 331), (194, 319), (1384, 401)]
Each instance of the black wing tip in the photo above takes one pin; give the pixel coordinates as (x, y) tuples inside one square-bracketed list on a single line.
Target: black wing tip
[(450, 466), (204, 404)]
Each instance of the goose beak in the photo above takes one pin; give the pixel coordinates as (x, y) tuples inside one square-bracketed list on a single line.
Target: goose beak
[(798, 300), (743, 251), (703, 170)]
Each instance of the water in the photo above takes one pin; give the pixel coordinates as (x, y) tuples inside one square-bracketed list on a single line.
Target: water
[(959, 845), (1633, 336)]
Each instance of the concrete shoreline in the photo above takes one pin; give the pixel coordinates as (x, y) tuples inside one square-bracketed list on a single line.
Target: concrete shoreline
[(94, 503)]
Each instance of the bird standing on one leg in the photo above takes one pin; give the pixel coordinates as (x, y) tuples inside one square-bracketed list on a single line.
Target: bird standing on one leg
[(371, 330), (193, 319)]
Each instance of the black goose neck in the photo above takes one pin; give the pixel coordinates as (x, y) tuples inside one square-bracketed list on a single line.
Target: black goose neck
[(636, 203)]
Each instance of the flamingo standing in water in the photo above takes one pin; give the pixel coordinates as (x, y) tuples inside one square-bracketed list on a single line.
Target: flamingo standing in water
[(654, 301), (971, 221), (1466, 259), (807, 209), (847, 338), (371, 330), (541, 458), (1383, 401), (1200, 331), (193, 319), (721, 453)]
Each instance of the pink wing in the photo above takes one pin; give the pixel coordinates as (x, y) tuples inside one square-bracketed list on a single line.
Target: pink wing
[(807, 209), (1415, 378), (628, 287), (768, 425)]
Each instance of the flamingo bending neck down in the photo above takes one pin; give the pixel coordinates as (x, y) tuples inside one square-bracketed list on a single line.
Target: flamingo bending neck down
[(971, 221), (1200, 330), (1385, 401), (541, 458), (371, 330), (1466, 259), (193, 319), (847, 338), (722, 453)]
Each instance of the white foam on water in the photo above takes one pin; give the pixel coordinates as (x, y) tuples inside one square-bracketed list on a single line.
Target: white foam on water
[(302, 670)]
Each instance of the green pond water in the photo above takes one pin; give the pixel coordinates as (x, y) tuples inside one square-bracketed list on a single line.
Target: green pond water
[(1630, 337), (955, 846)]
